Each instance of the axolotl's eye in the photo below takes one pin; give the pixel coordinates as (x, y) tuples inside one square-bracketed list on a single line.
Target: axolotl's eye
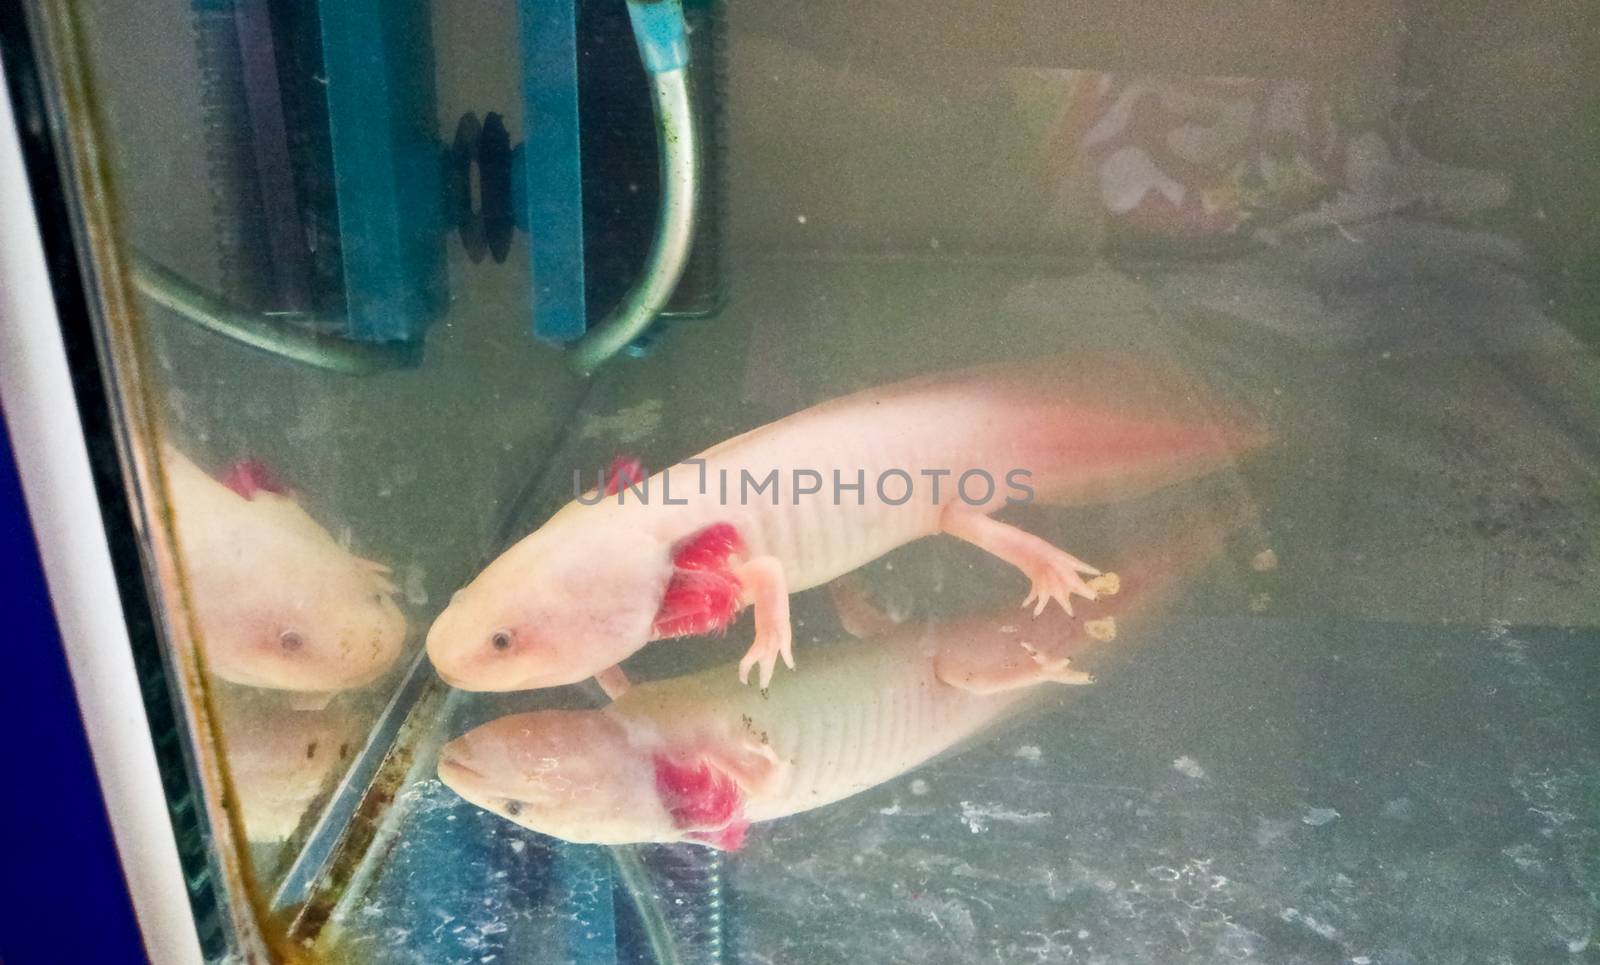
[(513, 808), (500, 640), (291, 640)]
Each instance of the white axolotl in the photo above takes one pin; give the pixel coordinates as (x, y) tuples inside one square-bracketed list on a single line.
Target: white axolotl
[(277, 602), (699, 758), (803, 500)]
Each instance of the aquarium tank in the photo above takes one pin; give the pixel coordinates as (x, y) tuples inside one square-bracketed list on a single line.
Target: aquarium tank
[(689, 481)]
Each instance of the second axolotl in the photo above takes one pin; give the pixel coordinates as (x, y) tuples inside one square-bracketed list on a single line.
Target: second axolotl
[(810, 497)]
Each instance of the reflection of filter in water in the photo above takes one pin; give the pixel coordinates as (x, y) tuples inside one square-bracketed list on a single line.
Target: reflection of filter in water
[(325, 164), (1187, 161), (334, 193)]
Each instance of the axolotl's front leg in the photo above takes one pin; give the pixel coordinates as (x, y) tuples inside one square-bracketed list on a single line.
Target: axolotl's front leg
[(713, 580), (767, 591)]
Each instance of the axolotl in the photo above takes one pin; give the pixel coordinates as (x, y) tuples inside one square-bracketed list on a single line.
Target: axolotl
[(700, 758), (835, 486), (278, 603)]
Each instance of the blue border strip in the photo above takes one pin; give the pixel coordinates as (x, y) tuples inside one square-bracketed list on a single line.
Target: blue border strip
[(62, 894)]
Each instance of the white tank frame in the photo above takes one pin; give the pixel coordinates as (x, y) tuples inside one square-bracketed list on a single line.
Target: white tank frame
[(41, 416)]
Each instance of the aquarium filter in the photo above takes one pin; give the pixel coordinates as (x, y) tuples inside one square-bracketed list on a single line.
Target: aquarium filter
[(336, 198)]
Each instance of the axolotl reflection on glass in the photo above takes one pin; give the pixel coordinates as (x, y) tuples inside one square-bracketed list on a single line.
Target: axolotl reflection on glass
[(604, 577), (277, 601), (699, 758)]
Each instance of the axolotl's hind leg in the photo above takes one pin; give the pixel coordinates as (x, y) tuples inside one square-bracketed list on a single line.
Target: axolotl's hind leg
[(996, 658), (1056, 575)]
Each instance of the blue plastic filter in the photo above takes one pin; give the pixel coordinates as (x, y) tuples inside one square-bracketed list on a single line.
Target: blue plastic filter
[(388, 176), (547, 178)]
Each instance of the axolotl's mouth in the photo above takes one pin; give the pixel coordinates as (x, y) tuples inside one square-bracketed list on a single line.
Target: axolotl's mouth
[(508, 683), (448, 677), (454, 772)]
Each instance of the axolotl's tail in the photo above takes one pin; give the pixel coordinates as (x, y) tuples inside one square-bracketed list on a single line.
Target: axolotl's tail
[(1107, 427)]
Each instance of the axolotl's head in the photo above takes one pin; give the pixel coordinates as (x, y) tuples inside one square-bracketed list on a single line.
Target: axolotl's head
[(277, 602), (573, 774), (328, 622), (565, 603)]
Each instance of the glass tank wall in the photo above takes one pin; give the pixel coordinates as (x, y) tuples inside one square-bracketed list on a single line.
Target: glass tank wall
[(1252, 343)]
